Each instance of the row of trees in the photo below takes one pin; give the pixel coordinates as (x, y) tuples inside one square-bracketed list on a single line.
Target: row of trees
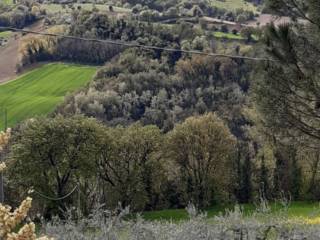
[(36, 49), (99, 26), (137, 166), (19, 17), (199, 161), (161, 10)]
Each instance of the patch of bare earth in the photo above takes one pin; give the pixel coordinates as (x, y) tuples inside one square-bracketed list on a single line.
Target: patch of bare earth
[(9, 54), (265, 19)]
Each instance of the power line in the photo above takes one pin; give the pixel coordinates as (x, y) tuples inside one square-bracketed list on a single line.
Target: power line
[(56, 199), (135, 45)]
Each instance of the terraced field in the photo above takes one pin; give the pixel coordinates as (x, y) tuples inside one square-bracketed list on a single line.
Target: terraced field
[(41, 90), (233, 5)]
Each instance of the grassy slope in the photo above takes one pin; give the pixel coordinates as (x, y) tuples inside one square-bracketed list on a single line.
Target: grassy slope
[(39, 91), (233, 5), (296, 209)]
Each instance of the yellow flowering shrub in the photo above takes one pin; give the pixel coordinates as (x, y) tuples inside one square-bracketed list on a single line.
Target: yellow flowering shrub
[(4, 139), (301, 220), (9, 220), (313, 221), (2, 167)]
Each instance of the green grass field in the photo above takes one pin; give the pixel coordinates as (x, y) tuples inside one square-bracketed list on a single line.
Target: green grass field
[(295, 210), (5, 34), (228, 35), (39, 91), (234, 4)]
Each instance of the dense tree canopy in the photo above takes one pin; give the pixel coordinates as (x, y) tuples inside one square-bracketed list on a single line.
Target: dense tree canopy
[(51, 155), (288, 92), (128, 160), (159, 129), (202, 147), (131, 90)]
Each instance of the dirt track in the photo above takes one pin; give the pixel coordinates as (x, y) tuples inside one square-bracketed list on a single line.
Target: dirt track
[(9, 54), (9, 60)]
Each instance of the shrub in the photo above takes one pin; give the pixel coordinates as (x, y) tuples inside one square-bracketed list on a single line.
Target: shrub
[(10, 220), (233, 225)]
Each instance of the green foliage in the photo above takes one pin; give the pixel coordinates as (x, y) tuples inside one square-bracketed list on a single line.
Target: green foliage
[(150, 157), (138, 88), (295, 210), (51, 155), (136, 166), (100, 25), (129, 162), (287, 92), (60, 153), (37, 49), (39, 91), (201, 148)]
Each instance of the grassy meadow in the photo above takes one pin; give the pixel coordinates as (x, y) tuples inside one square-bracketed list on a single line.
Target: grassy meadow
[(5, 34), (228, 36), (234, 5), (38, 92), (295, 210)]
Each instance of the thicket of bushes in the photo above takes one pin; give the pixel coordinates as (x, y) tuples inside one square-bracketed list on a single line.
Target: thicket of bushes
[(234, 225)]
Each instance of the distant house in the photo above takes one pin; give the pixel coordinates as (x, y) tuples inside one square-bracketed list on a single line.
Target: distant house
[(232, 26), (265, 19)]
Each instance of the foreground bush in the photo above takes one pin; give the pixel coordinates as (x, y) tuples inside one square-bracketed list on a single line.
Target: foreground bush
[(9, 220), (234, 225)]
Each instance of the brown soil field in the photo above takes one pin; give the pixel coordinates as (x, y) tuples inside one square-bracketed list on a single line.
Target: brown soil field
[(9, 54)]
